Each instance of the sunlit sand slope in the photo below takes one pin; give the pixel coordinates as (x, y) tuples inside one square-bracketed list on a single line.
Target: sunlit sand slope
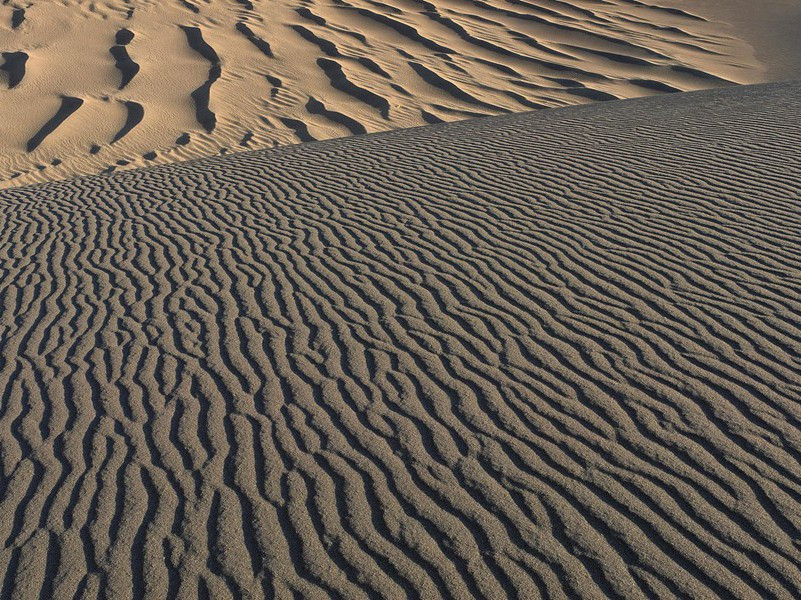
[(548, 354), (88, 87)]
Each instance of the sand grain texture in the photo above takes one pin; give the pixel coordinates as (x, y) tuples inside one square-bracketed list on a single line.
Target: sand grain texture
[(553, 354), (225, 76)]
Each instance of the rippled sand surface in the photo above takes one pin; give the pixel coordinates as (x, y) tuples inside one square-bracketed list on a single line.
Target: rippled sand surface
[(543, 355)]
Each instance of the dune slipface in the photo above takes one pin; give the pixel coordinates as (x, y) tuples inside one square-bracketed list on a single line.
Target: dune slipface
[(553, 354), (210, 77)]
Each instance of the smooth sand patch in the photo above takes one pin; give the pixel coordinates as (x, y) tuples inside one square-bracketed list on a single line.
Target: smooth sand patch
[(771, 27)]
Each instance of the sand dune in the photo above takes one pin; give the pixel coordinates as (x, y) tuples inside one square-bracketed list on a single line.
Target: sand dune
[(553, 354), (168, 81), (770, 26)]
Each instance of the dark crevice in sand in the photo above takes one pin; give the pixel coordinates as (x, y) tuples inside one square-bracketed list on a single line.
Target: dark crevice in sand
[(309, 15), (136, 113), (659, 86), (373, 66), (201, 96), (405, 30), (123, 37), (698, 73), (190, 6), (432, 13), (431, 118), (261, 44), (315, 107), (299, 127), (667, 9), (328, 48), (195, 39), (591, 94), (613, 56), (127, 67), (523, 101), (440, 82), (68, 106), (276, 83), (339, 81), (17, 17), (14, 65)]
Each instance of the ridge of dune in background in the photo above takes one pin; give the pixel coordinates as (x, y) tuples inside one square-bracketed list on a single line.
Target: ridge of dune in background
[(547, 354), (89, 87)]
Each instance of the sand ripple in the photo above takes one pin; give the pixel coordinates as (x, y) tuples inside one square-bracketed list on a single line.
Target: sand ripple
[(554, 354)]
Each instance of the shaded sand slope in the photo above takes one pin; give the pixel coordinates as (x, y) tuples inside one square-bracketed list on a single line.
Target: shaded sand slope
[(549, 354), (770, 26), (148, 82)]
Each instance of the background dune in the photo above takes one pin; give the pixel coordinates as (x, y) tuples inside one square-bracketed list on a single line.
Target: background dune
[(548, 354), (88, 87), (772, 27)]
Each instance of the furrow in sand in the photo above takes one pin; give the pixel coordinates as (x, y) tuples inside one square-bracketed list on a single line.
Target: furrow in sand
[(451, 88), (299, 128), (14, 64), (68, 106), (545, 354), (327, 48), (405, 30), (202, 95), (339, 80), (315, 107), (261, 44), (17, 17), (136, 113), (127, 67), (430, 11)]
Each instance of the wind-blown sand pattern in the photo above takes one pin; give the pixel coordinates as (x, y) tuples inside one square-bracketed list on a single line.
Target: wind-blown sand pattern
[(178, 79), (547, 354)]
